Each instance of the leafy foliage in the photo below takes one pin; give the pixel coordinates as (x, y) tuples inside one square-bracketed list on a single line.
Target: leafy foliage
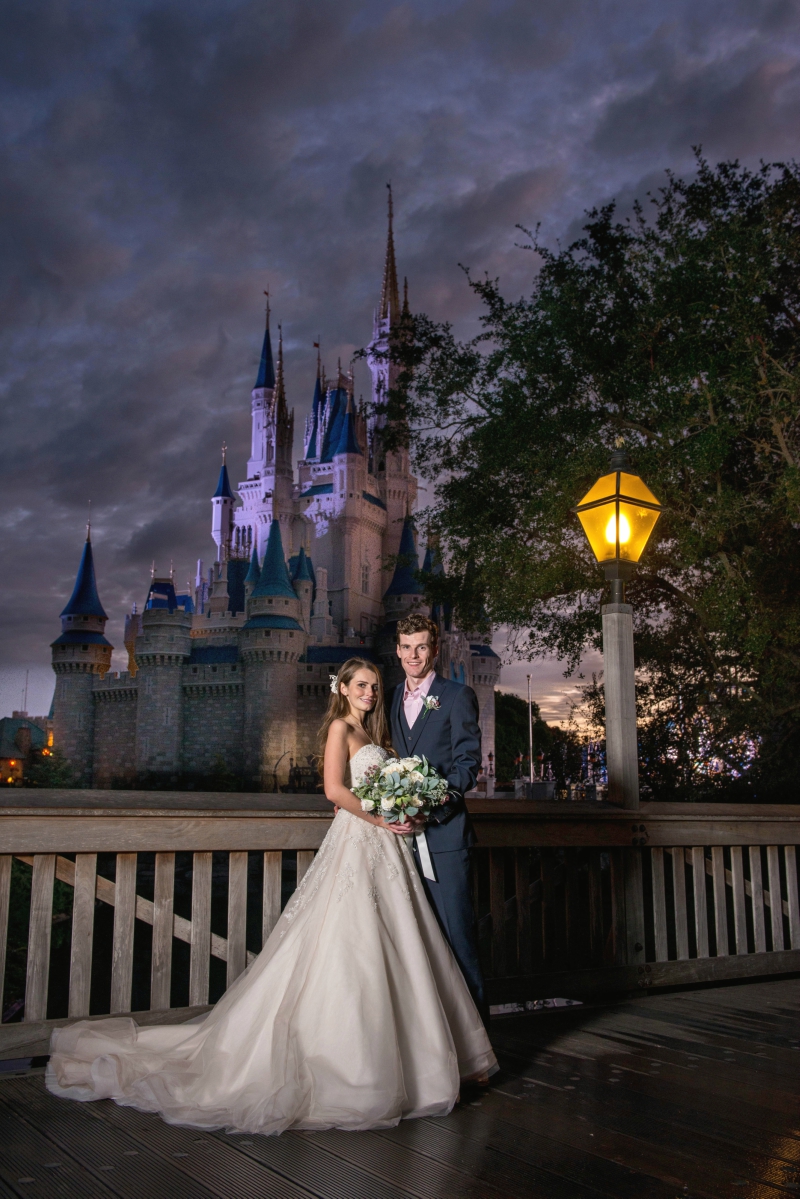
[(559, 748), (676, 330)]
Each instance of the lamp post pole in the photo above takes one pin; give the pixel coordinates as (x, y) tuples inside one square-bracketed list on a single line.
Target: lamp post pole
[(530, 732), (622, 757)]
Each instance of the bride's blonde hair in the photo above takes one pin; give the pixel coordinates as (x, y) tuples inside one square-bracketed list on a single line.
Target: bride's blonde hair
[(375, 723)]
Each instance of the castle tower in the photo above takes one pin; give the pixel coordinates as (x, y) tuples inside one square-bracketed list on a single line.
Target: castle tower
[(268, 491), (261, 405), (392, 468), (222, 504), (79, 654), (272, 642), (161, 651), (253, 574)]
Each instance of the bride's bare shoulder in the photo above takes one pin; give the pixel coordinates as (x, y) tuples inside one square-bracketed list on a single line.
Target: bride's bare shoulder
[(339, 730)]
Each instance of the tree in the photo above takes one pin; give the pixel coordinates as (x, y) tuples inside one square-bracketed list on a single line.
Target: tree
[(677, 331), (48, 768), (559, 748)]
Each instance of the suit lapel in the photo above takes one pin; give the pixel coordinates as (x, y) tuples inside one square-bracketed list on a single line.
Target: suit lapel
[(436, 688), (398, 716)]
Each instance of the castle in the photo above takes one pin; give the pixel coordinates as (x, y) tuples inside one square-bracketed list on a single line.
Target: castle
[(234, 673)]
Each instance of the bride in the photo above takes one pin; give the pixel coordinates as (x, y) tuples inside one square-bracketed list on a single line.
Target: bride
[(354, 1015)]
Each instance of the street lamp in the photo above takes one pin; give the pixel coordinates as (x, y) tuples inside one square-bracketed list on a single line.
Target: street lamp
[(618, 515)]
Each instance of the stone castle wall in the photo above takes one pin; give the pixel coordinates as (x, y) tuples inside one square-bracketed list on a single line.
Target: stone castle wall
[(213, 726), (114, 736)]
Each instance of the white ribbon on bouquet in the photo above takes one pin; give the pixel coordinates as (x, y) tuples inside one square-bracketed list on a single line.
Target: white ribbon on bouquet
[(425, 856)]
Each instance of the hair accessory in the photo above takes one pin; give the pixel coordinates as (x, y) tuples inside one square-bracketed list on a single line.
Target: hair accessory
[(334, 678)]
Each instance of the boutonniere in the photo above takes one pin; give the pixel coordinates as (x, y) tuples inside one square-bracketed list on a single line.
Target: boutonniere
[(431, 704)]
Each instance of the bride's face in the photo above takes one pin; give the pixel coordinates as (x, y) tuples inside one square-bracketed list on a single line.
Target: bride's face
[(362, 692)]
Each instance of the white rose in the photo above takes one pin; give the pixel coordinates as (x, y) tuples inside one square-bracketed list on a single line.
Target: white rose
[(367, 805), (387, 803), (417, 776), (410, 763)]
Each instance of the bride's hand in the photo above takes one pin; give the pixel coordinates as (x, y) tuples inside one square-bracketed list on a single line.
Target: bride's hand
[(400, 830)]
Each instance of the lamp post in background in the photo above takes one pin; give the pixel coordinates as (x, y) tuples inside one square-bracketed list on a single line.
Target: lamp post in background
[(618, 515)]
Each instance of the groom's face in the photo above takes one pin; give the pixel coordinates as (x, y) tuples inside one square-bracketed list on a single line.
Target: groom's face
[(416, 654)]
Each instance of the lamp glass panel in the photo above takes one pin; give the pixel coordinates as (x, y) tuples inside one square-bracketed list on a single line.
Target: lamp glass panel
[(595, 522), (635, 526), (633, 486), (640, 523), (605, 488)]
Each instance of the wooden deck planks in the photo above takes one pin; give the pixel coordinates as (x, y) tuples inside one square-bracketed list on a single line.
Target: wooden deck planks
[(696, 1093)]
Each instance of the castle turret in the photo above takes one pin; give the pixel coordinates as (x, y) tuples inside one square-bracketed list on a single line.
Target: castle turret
[(161, 651), (222, 504), (79, 654), (262, 394), (273, 640)]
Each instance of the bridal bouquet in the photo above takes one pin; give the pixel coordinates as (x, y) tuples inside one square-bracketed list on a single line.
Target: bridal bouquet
[(401, 787)]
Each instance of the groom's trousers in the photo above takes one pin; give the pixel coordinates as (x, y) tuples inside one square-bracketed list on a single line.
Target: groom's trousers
[(451, 899)]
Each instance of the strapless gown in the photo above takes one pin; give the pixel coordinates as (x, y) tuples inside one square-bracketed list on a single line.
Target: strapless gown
[(354, 1015)]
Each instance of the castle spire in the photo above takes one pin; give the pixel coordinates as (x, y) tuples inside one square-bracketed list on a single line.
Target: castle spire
[(84, 600), (223, 483), (404, 580), (266, 370), (274, 578), (390, 299), (280, 387), (254, 571)]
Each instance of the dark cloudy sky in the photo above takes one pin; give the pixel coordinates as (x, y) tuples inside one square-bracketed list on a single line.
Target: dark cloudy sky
[(163, 162)]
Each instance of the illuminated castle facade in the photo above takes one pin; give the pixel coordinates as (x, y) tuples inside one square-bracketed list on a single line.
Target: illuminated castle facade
[(234, 676)]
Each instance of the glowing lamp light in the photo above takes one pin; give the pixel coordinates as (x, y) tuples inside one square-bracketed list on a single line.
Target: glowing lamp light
[(618, 515)]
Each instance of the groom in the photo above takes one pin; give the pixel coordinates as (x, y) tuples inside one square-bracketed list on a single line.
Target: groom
[(437, 718)]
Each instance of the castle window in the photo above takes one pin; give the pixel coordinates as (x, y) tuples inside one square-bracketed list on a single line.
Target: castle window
[(213, 670), (365, 579), (233, 670), (194, 670), (309, 669), (85, 648)]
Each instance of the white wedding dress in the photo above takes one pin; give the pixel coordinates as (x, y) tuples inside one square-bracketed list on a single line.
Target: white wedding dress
[(354, 1015)]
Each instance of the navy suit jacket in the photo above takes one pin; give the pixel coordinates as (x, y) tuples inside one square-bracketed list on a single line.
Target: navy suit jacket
[(450, 738)]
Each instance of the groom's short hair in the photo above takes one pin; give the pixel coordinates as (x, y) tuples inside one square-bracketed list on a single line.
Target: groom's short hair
[(417, 623)]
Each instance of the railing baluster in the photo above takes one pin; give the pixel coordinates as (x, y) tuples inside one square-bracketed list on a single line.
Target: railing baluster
[(83, 901), (163, 922), (776, 904), (124, 923), (41, 921), (700, 906), (272, 892), (304, 859), (595, 908), (497, 904), (619, 941), (237, 915), (792, 897), (739, 919), (720, 901), (757, 893), (5, 901), (522, 882), (679, 888), (201, 929), (659, 904)]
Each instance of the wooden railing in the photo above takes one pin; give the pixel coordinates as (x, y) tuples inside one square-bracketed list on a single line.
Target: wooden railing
[(571, 899)]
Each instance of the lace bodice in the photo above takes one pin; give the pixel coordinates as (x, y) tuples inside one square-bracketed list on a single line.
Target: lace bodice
[(359, 764)]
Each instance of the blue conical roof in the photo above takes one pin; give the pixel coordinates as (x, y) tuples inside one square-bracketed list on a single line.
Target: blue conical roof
[(254, 571), (302, 568), (337, 403), (433, 560), (347, 443), (266, 368), (84, 600), (223, 485), (274, 579), (404, 580)]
